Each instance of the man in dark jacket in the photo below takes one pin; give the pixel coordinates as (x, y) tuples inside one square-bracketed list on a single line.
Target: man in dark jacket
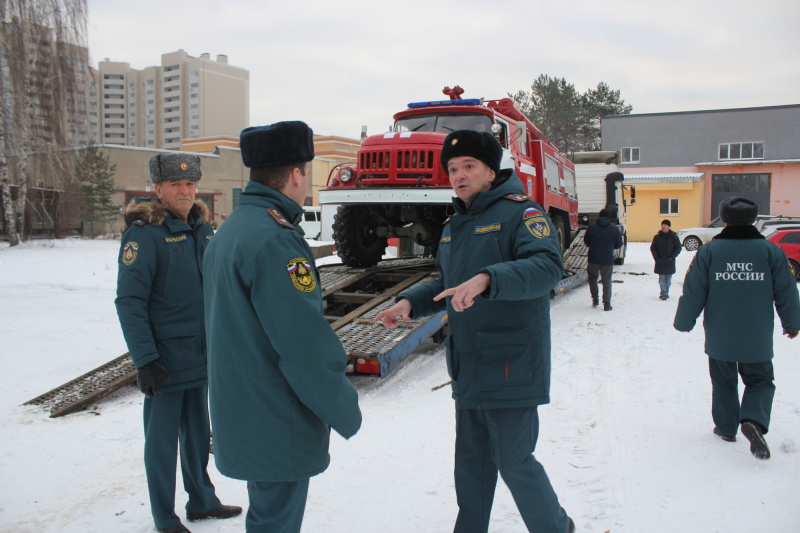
[(736, 279), (665, 248), (276, 368), (498, 259), (160, 307), (602, 238)]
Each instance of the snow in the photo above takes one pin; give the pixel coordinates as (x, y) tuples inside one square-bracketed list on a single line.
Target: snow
[(626, 441)]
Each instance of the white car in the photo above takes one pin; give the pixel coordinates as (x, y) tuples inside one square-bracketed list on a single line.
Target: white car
[(693, 238)]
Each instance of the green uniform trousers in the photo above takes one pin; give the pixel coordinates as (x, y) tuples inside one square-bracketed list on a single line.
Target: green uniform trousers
[(492, 440), (756, 404), (173, 419), (276, 507)]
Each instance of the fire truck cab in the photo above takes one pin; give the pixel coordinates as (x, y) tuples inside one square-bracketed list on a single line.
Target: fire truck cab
[(398, 187)]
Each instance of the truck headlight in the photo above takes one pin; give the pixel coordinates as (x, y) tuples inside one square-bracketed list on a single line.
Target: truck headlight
[(346, 174)]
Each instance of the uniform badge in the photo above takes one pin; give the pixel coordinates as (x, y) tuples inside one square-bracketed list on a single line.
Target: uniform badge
[(302, 276), (445, 239), (489, 228), (129, 252), (531, 212), (538, 226), (279, 218)]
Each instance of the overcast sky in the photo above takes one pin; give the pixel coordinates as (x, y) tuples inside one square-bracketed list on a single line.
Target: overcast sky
[(342, 64)]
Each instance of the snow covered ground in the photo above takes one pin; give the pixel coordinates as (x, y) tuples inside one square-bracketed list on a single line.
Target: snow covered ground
[(627, 440)]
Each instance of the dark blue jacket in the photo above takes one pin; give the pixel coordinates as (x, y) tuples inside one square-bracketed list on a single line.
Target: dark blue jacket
[(602, 238), (160, 291), (498, 350), (665, 248), (738, 281)]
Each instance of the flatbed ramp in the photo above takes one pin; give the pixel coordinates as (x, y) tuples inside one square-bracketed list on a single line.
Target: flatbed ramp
[(353, 297)]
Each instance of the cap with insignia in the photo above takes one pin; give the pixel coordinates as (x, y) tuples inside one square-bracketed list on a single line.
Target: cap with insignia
[(469, 143), (177, 166), (279, 144)]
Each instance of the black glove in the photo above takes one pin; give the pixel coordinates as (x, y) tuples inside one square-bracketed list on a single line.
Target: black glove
[(148, 376)]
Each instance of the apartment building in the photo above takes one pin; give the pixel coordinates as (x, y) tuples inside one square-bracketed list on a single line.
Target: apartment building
[(160, 106)]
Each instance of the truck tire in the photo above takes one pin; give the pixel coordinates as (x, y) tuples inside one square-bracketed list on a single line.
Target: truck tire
[(561, 233), (354, 234)]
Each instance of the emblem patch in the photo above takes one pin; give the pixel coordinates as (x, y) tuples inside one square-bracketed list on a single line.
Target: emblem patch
[(538, 226), (445, 239), (180, 238), (184, 165), (479, 230), (129, 252), (302, 276)]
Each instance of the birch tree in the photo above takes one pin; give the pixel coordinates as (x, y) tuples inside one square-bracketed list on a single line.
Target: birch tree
[(43, 62)]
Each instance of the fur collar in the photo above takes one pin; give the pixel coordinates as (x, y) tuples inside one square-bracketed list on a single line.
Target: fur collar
[(154, 212), (739, 232)]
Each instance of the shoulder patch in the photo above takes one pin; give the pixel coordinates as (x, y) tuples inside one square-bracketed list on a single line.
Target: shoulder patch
[(279, 218), (129, 252), (301, 274), (531, 212), (516, 197), (138, 223), (537, 226), (445, 239)]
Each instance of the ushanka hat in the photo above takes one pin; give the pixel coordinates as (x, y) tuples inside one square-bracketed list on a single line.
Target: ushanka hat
[(177, 166), (279, 144), (470, 143), (738, 211)]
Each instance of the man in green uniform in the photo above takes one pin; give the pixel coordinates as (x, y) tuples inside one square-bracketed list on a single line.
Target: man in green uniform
[(160, 307), (735, 280), (498, 260), (277, 380)]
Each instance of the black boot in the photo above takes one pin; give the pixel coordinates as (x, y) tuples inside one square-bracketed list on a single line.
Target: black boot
[(754, 433), (607, 307), (595, 302), (223, 511)]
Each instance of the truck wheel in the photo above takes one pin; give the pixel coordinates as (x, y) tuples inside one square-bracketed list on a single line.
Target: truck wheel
[(558, 222), (354, 233), (691, 244)]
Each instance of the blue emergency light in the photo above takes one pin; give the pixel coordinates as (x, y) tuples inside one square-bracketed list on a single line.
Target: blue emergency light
[(469, 101)]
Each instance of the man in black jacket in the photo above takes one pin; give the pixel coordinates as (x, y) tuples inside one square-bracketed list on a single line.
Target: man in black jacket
[(665, 248), (602, 238)]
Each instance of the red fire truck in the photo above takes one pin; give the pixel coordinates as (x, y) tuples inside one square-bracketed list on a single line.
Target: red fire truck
[(398, 187)]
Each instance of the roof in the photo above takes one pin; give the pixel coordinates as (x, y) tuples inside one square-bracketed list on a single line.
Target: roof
[(680, 177), (702, 111), (737, 162)]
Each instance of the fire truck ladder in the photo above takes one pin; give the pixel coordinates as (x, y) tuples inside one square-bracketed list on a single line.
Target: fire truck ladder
[(353, 298)]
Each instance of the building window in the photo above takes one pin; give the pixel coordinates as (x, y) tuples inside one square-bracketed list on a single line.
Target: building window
[(630, 155), (668, 206), (728, 151)]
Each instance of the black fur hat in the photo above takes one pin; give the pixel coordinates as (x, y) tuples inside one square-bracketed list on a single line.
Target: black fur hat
[(279, 144), (177, 166), (738, 211), (478, 144)]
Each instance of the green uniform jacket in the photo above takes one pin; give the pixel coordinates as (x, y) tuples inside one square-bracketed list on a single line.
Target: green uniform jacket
[(277, 380), (736, 278), (498, 350), (160, 291)]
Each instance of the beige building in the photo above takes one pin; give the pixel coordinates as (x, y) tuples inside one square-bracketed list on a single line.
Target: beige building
[(224, 174), (158, 107)]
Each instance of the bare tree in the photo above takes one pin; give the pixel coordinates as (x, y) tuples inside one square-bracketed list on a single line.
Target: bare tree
[(43, 67)]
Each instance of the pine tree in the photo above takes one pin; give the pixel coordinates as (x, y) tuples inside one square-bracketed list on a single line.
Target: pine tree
[(569, 119), (96, 176)]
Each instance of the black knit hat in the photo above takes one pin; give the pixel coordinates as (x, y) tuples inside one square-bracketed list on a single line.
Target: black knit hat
[(478, 144), (738, 211), (279, 144), (176, 166), (667, 222)]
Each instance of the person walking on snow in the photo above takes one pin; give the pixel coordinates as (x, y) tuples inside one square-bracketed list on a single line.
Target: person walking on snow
[(602, 238), (665, 248), (735, 280)]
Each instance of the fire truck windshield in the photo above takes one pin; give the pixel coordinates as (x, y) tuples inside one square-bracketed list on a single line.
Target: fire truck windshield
[(444, 122)]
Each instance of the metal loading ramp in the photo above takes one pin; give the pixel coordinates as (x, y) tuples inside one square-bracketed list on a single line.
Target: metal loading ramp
[(352, 296)]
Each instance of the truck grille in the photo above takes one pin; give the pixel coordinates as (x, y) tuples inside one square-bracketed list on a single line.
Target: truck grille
[(402, 164)]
